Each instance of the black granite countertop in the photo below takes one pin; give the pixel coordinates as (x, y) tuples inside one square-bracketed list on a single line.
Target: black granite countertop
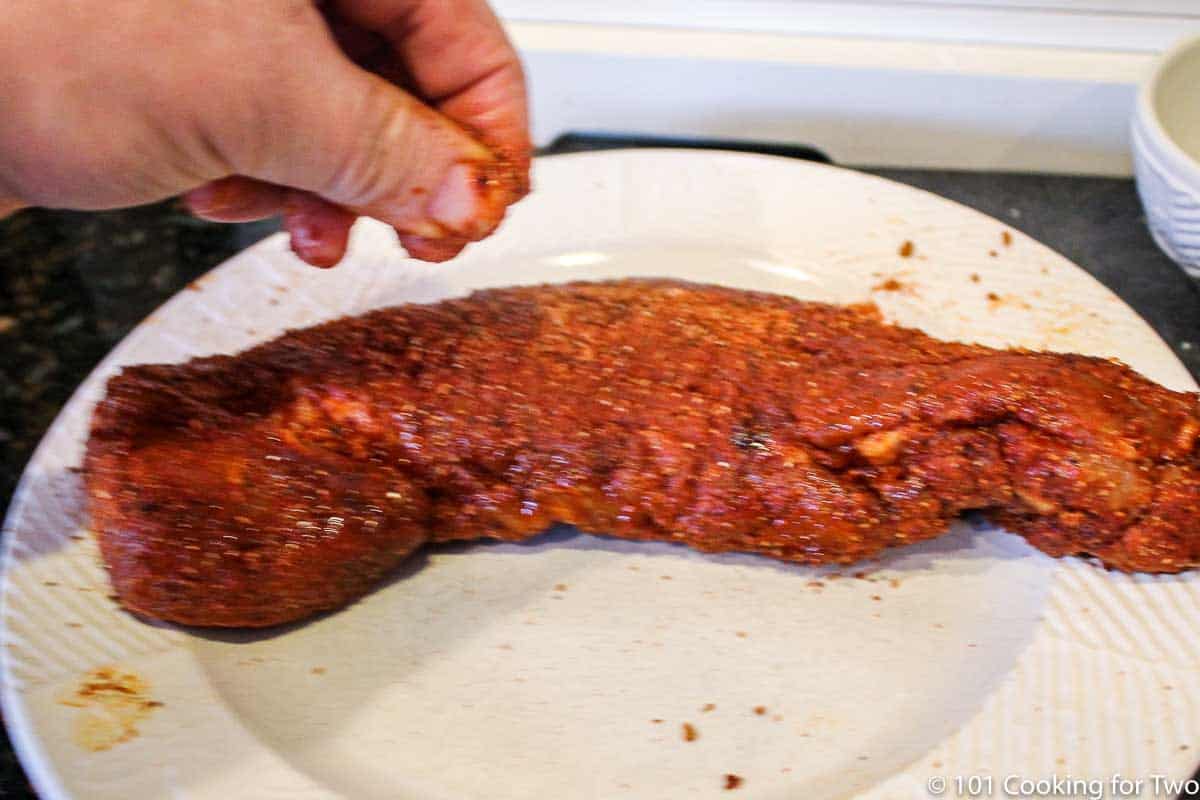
[(74, 283)]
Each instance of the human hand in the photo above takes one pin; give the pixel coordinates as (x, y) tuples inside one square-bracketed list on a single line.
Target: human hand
[(410, 111)]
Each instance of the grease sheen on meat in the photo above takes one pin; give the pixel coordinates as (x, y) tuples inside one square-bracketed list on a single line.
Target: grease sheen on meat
[(267, 486)]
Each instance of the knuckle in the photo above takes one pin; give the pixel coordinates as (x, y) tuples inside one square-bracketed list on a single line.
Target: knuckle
[(375, 161)]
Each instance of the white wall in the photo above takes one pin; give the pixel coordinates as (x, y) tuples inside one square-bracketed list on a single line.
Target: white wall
[(1016, 96), (1127, 25)]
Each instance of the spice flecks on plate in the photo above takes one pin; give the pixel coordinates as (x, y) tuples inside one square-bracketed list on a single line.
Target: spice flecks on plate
[(111, 702)]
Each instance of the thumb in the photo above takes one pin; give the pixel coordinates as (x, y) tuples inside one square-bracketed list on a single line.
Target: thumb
[(358, 141)]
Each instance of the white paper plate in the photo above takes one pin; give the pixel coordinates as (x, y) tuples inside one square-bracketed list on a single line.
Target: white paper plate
[(470, 675)]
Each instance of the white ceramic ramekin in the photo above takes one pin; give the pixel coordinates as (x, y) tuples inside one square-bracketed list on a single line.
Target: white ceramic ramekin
[(1166, 153)]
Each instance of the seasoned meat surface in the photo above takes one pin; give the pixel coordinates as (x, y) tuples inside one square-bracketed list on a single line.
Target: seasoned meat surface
[(255, 489)]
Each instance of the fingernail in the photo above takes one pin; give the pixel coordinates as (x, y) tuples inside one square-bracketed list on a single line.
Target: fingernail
[(319, 231), (424, 228), (432, 250), (219, 198), (456, 204), (204, 199)]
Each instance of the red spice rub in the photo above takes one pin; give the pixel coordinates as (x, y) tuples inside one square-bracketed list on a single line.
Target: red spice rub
[(265, 487)]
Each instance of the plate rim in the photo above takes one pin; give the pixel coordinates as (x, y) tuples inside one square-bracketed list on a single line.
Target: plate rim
[(39, 769)]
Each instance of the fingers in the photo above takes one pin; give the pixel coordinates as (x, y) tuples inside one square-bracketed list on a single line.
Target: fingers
[(362, 143), (319, 230), (236, 199), (459, 60), (341, 132)]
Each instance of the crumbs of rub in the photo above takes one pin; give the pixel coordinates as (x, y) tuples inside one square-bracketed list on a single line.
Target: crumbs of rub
[(112, 703)]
